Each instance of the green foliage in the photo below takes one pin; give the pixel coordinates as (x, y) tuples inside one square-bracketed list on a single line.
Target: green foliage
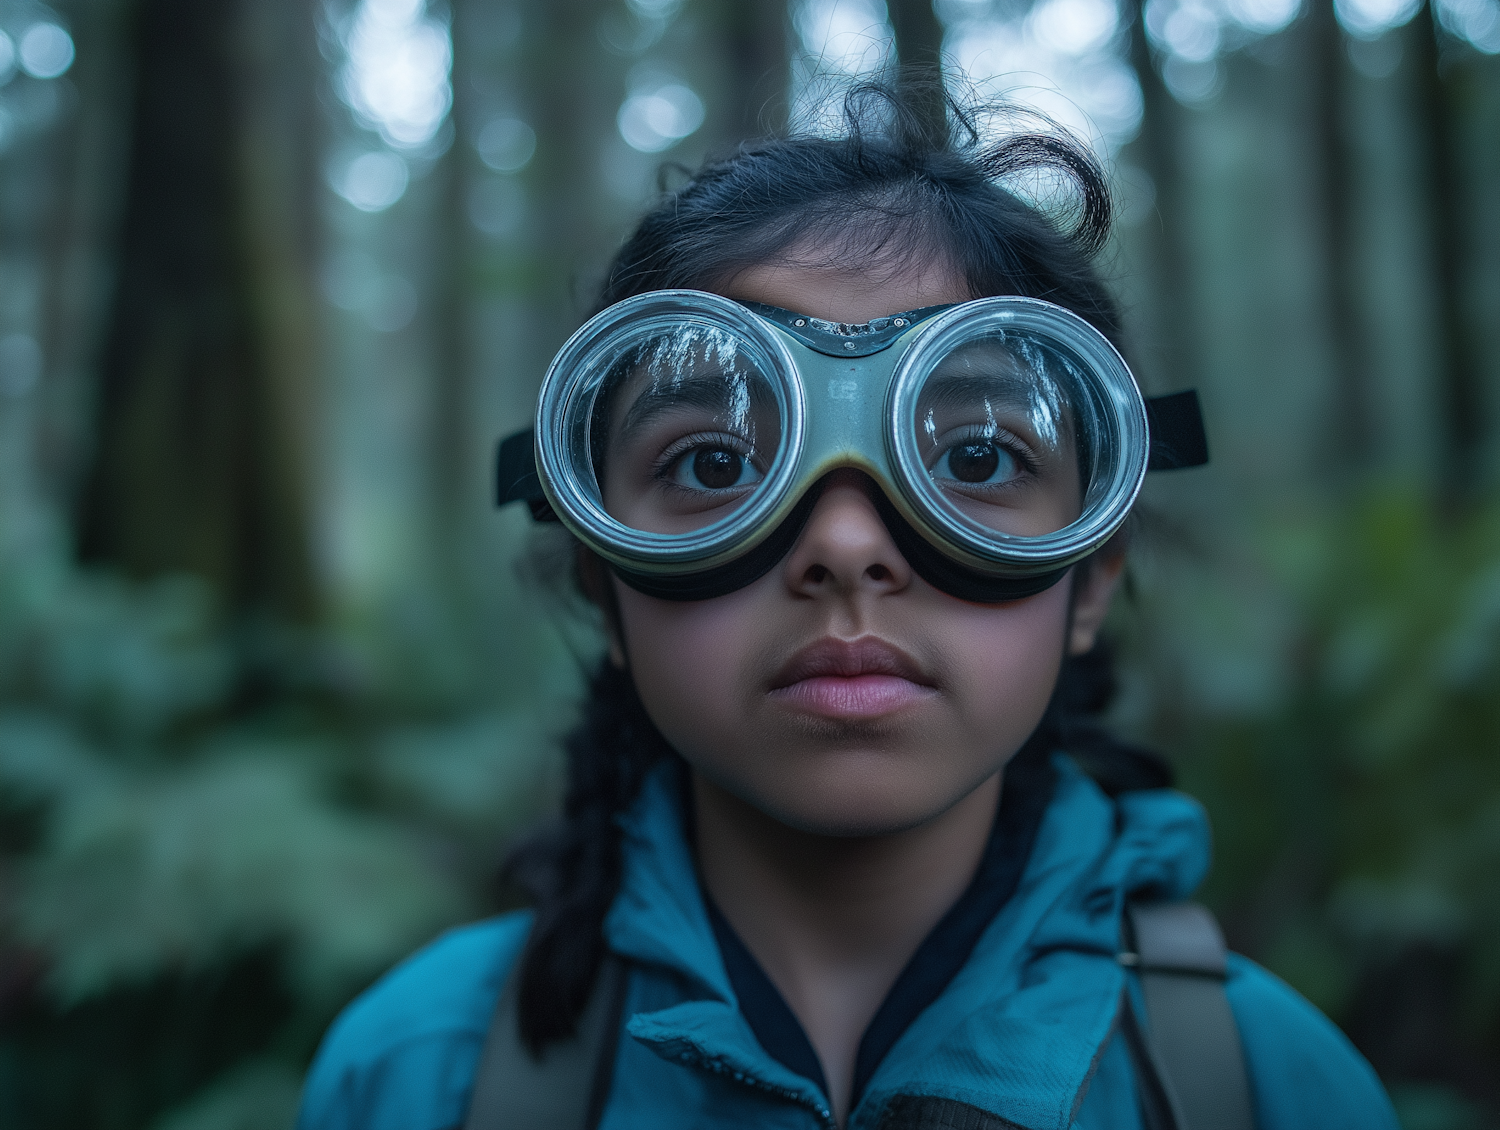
[(256, 1096), (175, 810), (1432, 1106), (1335, 699)]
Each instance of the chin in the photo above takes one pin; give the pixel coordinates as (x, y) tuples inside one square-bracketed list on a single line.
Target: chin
[(860, 794)]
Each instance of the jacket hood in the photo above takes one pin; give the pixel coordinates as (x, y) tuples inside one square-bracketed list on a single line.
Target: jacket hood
[(1019, 1029)]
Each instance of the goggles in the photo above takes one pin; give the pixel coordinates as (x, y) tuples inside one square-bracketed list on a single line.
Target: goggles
[(684, 438)]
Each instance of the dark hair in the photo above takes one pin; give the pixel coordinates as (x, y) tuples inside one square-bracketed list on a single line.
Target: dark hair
[(886, 192), (891, 188)]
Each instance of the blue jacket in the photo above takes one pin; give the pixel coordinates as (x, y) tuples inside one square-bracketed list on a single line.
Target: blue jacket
[(1026, 1030)]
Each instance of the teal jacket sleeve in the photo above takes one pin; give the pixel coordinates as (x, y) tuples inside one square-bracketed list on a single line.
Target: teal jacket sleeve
[(403, 1055), (1304, 1072)]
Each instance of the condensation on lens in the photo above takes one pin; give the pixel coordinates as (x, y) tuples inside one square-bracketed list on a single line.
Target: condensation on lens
[(685, 426), (997, 430)]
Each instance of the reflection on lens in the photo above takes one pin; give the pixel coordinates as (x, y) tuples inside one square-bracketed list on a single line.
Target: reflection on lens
[(685, 426), (997, 423)]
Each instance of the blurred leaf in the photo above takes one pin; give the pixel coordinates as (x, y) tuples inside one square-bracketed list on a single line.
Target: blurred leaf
[(1373, 746), (129, 658), (260, 1095), (1433, 1106), (1306, 956), (182, 870), (41, 758), (479, 776)]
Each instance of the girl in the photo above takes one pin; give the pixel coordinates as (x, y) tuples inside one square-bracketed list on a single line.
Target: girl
[(850, 500)]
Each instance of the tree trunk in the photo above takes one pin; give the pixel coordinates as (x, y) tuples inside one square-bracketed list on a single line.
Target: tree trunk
[(1456, 359), (1155, 149), (199, 464), (919, 52), (757, 49), (451, 447), (1353, 423)]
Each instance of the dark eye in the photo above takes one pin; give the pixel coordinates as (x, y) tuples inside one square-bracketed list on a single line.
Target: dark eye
[(714, 468), (976, 463)]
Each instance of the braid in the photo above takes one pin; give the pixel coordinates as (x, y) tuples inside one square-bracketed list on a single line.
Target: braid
[(571, 870), (1085, 688)]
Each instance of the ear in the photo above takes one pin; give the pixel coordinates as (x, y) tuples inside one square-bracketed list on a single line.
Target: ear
[(598, 588), (1095, 589)]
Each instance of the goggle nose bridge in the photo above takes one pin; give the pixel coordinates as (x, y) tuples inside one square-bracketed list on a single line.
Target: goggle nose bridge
[(845, 339)]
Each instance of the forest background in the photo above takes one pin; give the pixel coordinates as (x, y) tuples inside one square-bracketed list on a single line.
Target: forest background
[(275, 275)]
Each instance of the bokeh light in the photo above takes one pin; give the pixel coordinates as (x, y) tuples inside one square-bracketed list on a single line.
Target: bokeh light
[(372, 182), (1477, 21), (396, 76), (506, 144), (45, 50), (1074, 27), (1191, 36), (1263, 17), (1368, 19), (1189, 30), (1063, 59), (658, 113), (848, 36)]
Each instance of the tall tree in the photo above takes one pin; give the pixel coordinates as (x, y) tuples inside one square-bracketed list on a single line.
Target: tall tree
[(450, 447), (757, 49), (1353, 425), (199, 466), (1155, 148), (919, 52), (1457, 358)]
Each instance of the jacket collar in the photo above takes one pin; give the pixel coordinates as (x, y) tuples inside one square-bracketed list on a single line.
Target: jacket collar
[(1018, 1030)]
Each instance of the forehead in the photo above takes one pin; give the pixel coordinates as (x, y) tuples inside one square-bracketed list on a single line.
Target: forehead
[(842, 293)]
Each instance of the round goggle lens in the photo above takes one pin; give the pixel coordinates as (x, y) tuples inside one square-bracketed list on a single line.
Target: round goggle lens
[(685, 426), (1005, 425)]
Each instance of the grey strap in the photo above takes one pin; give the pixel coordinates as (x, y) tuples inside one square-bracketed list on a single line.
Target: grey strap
[(564, 1090), (1191, 1038)]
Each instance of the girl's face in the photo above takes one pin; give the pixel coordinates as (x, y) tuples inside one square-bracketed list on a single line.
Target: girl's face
[(841, 694)]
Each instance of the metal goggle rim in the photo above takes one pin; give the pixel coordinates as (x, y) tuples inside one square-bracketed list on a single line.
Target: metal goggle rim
[(559, 406), (954, 534), (1106, 500)]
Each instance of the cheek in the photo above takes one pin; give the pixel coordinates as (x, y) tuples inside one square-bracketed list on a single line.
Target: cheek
[(689, 661), (1001, 664)]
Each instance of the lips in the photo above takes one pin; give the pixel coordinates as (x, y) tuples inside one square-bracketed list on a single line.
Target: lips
[(863, 678)]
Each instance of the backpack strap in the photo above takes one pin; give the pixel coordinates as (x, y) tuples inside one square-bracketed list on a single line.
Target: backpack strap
[(1189, 1059), (567, 1088)]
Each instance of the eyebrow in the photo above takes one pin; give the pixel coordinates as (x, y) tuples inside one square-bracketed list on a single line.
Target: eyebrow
[(1009, 390), (961, 389), (708, 392)]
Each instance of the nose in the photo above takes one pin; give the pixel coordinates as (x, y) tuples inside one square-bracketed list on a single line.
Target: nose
[(845, 549)]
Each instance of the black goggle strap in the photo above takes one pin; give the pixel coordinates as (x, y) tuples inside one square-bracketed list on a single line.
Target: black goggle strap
[(1178, 438), (516, 479)]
